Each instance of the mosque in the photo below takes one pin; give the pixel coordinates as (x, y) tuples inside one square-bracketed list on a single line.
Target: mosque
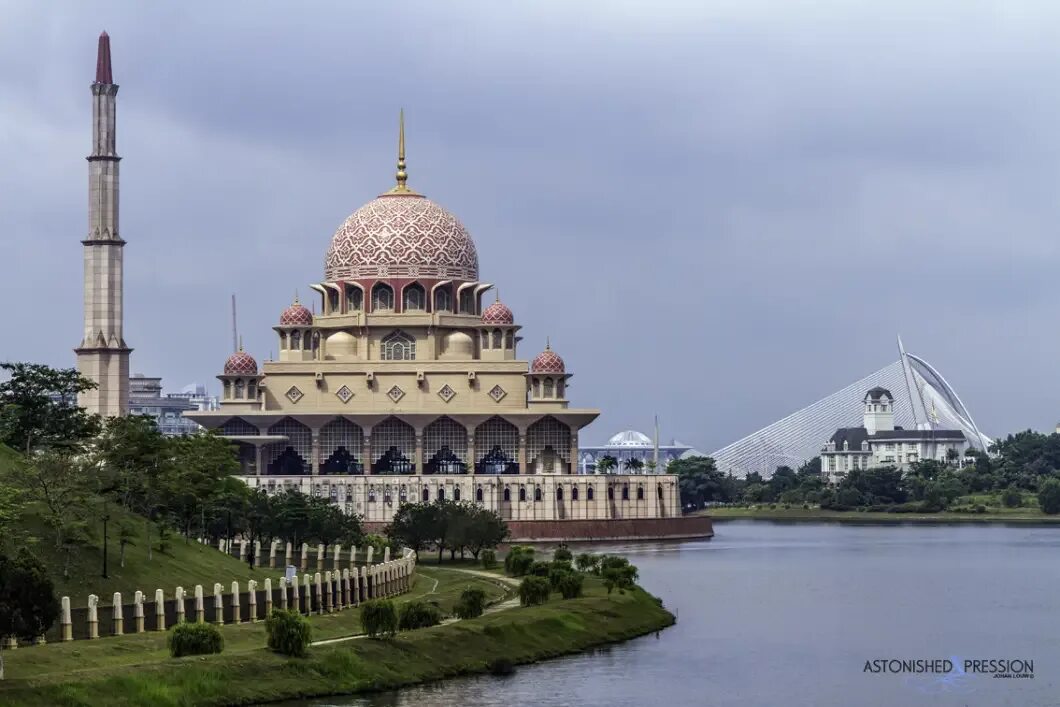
[(403, 383)]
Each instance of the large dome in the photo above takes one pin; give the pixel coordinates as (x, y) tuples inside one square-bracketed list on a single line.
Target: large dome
[(630, 438), (401, 235)]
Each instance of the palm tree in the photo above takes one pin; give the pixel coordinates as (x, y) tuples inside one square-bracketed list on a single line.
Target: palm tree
[(606, 464), (633, 465)]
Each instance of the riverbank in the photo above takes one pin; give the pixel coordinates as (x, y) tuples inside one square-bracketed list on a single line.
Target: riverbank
[(239, 677), (1021, 516)]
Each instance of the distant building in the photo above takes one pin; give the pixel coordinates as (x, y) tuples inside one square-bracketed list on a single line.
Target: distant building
[(146, 398), (879, 443), (636, 446)]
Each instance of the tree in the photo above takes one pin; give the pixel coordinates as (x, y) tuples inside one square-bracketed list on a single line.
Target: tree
[(196, 466), (486, 529), (879, 485), (126, 534), (259, 520), (39, 410), (329, 524), (58, 482), (27, 599), (1049, 496), (413, 526), (606, 464), (130, 455), (700, 482), (633, 465)]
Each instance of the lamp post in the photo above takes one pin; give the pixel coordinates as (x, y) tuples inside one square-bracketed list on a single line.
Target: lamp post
[(106, 517)]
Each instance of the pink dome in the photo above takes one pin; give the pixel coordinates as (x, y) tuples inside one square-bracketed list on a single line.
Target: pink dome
[(548, 361), (241, 364), (401, 235), (498, 313), (296, 315)]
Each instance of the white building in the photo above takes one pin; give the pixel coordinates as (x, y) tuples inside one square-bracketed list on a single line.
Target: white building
[(634, 453), (878, 442)]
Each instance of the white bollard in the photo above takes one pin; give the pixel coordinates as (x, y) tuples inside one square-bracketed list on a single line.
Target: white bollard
[(268, 596), (308, 595), (66, 620), (118, 623), (320, 557), (369, 556), (237, 617), (353, 557), (386, 554), (288, 556), (272, 553), (138, 611), (283, 593), (335, 561), (218, 604), (305, 557), (160, 610), (200, 605), (178, 596), (93, 616)]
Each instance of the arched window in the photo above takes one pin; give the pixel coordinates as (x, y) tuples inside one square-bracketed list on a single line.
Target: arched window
[(537, 494), (559, 388), (403, 493), (441, 494), (559, 493), (467, 301), (382, 298), (354, 299), (399, 346), (522, 493), (456, 494), (537, 388), (589, 493), (659, 491), (507, 494), (252, 390), (640, 493), (228, 389), (333, 301), (548, 387), (443, 300), (574, 493), (239, 390), (496, 338), (610, 493), (414, 299), (296, 340), (485, 340), (509, 340), (426, 495), (625, 492), (371, 494), (478, 494)]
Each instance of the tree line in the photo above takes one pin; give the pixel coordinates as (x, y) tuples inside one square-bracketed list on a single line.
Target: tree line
[(459, 527)]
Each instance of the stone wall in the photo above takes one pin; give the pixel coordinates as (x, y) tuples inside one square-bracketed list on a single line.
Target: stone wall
[(585, 530)]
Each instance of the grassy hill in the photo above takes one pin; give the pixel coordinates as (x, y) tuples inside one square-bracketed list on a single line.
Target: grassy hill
[(183, 564)]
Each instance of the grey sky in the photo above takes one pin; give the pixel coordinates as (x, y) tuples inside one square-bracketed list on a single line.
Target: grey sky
[(719, 212)]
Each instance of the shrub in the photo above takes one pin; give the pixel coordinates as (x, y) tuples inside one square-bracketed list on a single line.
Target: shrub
[(1049, 496), (540, 568), (418, 614), (471, 604), (518, 560), (980, 508), (501, 666), (555, 575), (587, 562), (489, 559), (288, 632), (1011, 498), (570, 585), (379, 618), (195, 639), (563, 554), (533, 590)]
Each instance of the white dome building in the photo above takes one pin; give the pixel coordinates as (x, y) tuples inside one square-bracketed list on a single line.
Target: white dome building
[(634, 453)]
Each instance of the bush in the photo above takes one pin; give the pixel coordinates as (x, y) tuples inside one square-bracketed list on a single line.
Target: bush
[(471, 604), (1049, 496), (288, 632), (563, 554), (518, 560), (1011, 498), (195, 639), (489, 559), (533, 590), (379, 618), (587, 562), (418, 614), (555, 576), (501, 666), (540, 568), (570, 585)]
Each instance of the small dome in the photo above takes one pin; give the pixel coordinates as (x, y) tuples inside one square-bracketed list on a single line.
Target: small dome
[(241, 364), (630, 438), (296, 315), (498, 313), (342, 344), (548, 361), (458, 346)]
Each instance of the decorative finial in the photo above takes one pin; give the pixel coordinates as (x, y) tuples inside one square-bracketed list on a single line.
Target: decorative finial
[(103, 72), (402, 176), (548, 343), (497, 292), (240, 342), (296, 297)]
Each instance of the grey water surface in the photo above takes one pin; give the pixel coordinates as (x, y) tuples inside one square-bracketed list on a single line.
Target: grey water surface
[(789, 613)]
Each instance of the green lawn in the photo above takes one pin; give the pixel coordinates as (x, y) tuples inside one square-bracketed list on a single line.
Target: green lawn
[(251, 676), (60, 661)]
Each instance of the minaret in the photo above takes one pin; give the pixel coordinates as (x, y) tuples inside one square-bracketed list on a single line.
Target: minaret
[(103, 355)]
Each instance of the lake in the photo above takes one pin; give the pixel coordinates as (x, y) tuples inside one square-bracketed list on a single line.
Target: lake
[(789, 613)]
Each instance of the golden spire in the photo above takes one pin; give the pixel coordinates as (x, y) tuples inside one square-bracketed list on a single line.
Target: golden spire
[(402, 175)]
